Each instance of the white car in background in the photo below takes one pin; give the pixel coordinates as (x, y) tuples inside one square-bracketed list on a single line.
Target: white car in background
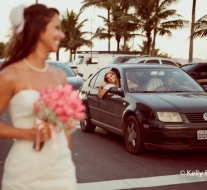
[(89, 63), (154, 60)]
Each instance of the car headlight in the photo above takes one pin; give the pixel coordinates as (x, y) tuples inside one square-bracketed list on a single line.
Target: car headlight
[(169, 116)]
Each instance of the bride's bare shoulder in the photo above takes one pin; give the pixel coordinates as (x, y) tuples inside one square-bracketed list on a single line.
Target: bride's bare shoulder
[(9, 73), (57, 72)]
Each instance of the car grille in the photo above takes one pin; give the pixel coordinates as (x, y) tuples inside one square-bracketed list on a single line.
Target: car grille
[(195, 117)]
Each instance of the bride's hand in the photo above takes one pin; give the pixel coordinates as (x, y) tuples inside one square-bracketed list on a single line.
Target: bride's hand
[(45, 133)]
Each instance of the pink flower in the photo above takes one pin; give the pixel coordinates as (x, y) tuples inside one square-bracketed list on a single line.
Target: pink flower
[(79, 116), (64, 118), (60, 106), (59, 110), (72, 126)]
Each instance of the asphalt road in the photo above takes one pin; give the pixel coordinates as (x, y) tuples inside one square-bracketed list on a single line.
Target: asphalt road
[(102, 162)]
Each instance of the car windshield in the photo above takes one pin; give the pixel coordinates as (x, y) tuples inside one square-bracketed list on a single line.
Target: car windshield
[(160, 80), (78, 61)]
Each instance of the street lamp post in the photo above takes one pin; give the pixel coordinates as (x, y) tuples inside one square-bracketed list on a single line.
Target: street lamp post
[(92, 10)]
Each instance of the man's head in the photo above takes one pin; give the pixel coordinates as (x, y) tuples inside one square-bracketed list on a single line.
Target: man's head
[(169, 79), (132, 76)]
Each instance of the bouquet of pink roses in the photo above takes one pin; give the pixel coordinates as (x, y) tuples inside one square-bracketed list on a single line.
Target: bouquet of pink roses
[(61, 107)]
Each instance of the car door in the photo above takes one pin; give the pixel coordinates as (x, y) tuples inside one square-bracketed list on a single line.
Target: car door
[(111, 110), (92, 94), (200, 74)]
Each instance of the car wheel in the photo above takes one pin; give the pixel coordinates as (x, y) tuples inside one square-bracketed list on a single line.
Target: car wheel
[(86, 125), (132, 136)]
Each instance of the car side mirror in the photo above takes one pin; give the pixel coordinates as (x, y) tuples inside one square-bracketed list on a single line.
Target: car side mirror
[(117, 91), (205, 87), (80, 74)]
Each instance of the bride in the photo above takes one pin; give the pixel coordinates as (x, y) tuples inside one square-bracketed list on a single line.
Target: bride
[(36, 32)]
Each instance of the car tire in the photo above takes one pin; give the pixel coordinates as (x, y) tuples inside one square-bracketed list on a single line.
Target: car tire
[(132, 136), (86, 125)]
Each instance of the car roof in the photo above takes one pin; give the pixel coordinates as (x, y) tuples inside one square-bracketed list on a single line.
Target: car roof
[(146, 57), (143, 66), (194, 63), (123, 56)]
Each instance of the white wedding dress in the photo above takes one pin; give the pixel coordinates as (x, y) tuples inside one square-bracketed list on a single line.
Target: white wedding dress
[(26, 169)]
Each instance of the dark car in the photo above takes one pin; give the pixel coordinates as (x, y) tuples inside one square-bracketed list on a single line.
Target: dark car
[(173, 119), (72, 78), (121, 59), (154, 60), (198, 71)]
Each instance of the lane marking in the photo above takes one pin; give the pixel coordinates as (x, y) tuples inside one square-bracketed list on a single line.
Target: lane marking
[(141, 182)]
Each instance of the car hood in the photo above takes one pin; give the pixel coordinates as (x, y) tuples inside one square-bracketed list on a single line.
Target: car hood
[(75, 81), (178, 102)]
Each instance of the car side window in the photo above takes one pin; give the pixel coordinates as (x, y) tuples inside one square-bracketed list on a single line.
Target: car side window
[(153, 61), (201, 70), (93, 80), (114, 61), (100, 77), (141, 61), (166, 62), (124, 59)]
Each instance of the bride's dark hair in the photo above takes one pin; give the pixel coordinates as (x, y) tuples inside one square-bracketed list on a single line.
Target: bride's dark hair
[(36, 18)]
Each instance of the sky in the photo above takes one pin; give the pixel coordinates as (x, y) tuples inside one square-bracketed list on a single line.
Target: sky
[(177, 45)]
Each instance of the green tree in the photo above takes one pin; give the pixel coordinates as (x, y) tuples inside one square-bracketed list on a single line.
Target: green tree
[(74, 37)]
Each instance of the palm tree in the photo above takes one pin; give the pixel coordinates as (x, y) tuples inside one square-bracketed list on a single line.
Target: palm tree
[(74, 37), (103, 4), (162, 25), (191, 32), (200, 29), (143, 47), (157, 52), (127, 29), (125, 47), (152, 16), (119, 28)]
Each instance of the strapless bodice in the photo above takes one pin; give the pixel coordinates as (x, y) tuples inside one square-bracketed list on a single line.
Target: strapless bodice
[(21, 108), (27, 169)]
